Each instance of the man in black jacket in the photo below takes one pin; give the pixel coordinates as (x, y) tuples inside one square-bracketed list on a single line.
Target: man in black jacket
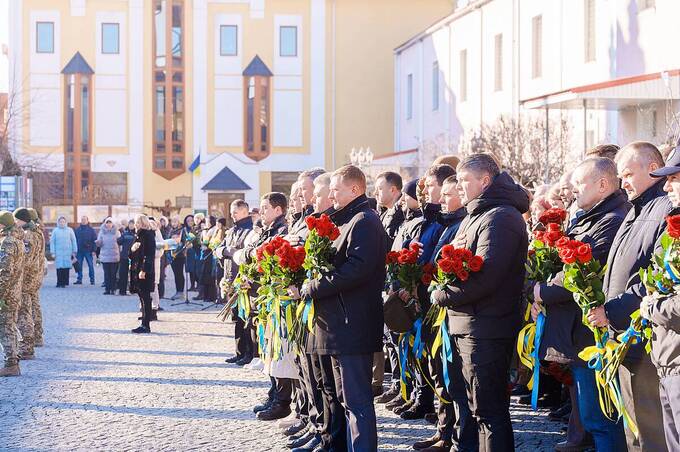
[(604, 206), (632, 249), (234, 240), (388, 187), (664, 314), (348, 304), (484, 311)]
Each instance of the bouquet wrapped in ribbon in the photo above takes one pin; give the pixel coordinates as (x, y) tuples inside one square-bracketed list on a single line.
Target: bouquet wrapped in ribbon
[(583, 277), (543, 263), (319, 253), (403, 271), (454, 264), (239, 290)]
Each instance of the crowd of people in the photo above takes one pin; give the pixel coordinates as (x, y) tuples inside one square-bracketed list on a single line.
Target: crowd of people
[(616, 201)]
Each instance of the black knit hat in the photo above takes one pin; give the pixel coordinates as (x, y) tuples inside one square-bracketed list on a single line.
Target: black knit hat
[(411, 188), (22, 214)]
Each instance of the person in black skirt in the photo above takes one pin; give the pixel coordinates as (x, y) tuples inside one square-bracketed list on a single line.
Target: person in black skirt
[(142, 255)]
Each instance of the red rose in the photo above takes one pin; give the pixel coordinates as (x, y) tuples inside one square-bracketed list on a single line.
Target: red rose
[(260, 253), (552, 236), (584, 254), (458, 265), (475, 263), (392, 258), (426, 279), (311, 222), (467, 254), (447, 251), (673, 223), (554, 227), (428, 268), (446, 265), (462, 274), (414, 247), (562, 242), (539, 235), (335, 233), (568, 255), (553, 216)]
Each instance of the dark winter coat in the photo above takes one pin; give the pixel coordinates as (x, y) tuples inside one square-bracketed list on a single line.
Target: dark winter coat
[(348, 300), (142, 259), (391, 219), (86, 237), (234, 240), (564, 334), (126, 239), (487, 305), (409, 230), (632, 249)]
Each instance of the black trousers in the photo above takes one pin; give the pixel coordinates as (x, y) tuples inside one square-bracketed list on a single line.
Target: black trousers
[(63, 277), (640, 390), (110, 269), (486, 364), (123, 274), (353, 376), (145, 299), (161, 280), (311, 375), (669, 391), (242, 337), (178, 271), (455, 421), (284, 390), (334, 430)]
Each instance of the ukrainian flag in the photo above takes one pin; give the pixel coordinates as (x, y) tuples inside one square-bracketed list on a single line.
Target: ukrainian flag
[(195, 166)]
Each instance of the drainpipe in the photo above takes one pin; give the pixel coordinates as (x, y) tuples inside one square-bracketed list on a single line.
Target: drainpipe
[(333, 162)]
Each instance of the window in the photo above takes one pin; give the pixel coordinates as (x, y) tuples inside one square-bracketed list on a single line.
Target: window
[(409, 96), (498, 54), (257, 117), (288, 41), (463, 75), (228, 40), (168, 90), (589, 29), (44, 42), (109, 188), (536, 46), (110, 38), (77, 137), (645, 4), (435, 86)]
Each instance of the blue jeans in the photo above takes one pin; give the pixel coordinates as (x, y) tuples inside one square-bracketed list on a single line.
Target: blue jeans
[(90, 265), (608, 435)]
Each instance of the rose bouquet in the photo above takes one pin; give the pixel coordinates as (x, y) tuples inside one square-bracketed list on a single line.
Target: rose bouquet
[(247, 275), (403, 271)]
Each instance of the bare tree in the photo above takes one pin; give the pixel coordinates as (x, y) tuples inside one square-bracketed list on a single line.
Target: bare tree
[(520, 145)]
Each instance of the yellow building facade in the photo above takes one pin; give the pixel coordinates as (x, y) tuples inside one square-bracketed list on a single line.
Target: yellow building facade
[(128, 103)]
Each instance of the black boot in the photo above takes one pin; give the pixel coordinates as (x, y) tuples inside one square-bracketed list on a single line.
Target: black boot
[(278, 410), (263, 406), (416, 411)]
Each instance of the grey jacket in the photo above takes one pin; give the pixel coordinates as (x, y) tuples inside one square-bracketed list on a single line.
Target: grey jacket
[(107, 240)]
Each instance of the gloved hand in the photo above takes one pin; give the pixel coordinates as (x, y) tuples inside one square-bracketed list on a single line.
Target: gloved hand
[(440, 298)]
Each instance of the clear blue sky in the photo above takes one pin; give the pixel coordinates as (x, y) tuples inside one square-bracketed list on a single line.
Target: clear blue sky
[(4, 39)]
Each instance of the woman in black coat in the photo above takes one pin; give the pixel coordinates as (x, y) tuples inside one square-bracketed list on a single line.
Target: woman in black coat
[(142, 255)]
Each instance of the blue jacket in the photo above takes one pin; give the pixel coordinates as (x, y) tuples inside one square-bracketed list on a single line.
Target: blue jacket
[(62, 246), (85, 237)]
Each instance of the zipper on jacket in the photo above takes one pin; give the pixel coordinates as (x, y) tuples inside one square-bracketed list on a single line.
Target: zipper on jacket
[(342, 305)]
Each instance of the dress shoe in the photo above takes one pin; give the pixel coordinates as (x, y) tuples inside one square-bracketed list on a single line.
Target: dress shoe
[(566, 446), (302, 440), (10, 371), (244, 360), (77, 283), (307, 428), (439, 446), (276, 411), (420, 445), (417, 411), (395, 402), (123, 294), (286, 422), (377, 391), (141, 330), (296, 428), (311, 445), (265, 405), (401, 408), (388, 395), (233, 359), (160, 309), (26, 355), (431, 418)]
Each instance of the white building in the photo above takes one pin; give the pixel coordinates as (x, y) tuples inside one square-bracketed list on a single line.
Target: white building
[(607, 66)]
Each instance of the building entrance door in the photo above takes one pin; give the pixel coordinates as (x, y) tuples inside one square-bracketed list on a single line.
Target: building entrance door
[(218, 204)]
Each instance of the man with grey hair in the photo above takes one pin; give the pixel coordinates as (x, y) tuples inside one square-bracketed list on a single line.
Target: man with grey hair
[(484, 311), (603, 207), (305, 183), (632, 249)]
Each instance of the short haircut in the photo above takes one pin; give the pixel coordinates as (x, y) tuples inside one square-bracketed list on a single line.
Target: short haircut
[(643, 152), (480, 164), (277, 199), (324, 179), (604, 150), (601, 168), (392, 178), (441, 172), (312, 173), (351, 173), (452, 160), (240, 204), (450, 180)]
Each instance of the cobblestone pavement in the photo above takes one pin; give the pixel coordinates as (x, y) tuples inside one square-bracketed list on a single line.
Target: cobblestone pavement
[(95, 386)]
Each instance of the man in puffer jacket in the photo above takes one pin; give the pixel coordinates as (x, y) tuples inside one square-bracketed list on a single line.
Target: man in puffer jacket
[(484, 311), (664, 313)]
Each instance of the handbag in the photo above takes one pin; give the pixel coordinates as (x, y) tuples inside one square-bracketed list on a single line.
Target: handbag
[(399, 316), (76, 265)]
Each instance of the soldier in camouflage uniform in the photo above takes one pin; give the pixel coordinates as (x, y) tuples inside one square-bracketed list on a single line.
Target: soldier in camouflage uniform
[(39, 276), (11, 265), (30, 283)]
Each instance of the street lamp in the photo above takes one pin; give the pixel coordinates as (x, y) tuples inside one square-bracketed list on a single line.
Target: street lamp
[(361, 158)]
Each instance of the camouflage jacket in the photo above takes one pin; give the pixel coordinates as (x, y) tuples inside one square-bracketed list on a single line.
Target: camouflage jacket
[(11, 266), (34, 261)]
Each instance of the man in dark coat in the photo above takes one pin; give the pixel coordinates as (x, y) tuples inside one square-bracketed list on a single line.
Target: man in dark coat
[(604, 206), (484, 311), (85, 236), (388, 187), (664, 314), (632, 249), (234, 240), (348, 304)]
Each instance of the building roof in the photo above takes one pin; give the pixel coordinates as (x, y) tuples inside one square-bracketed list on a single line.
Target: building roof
[(226, 180), (77, 65), (257, 67)]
